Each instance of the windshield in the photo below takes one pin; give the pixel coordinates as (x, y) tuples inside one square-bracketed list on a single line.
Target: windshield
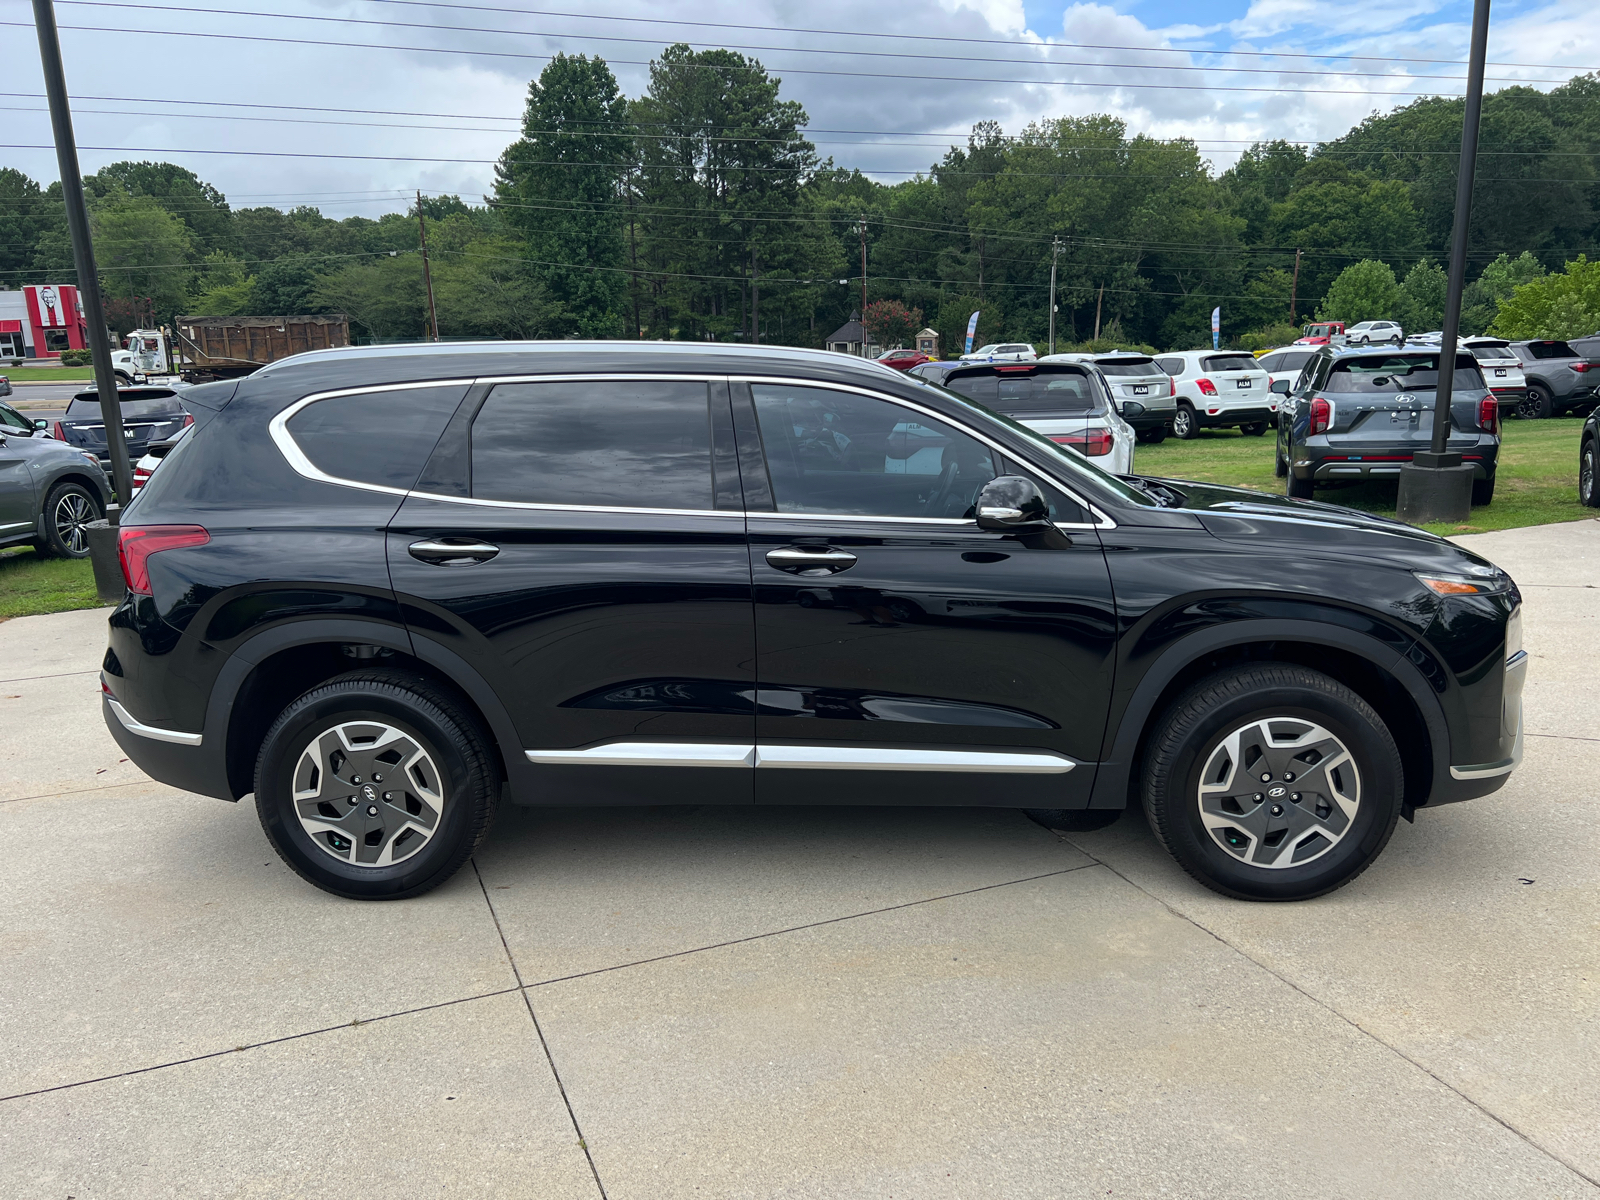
[(1400, 373), (1321, 330), (1067, 465), (1229, 362), (1129, 366)]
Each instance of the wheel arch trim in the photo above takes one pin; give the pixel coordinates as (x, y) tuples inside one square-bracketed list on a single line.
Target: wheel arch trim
[(1118, 762)]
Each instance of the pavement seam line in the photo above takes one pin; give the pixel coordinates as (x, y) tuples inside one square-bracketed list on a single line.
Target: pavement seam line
[(583, 1142), (57, 675), (1327, 1007), (104, 787), (288, 1037), (756, 937)]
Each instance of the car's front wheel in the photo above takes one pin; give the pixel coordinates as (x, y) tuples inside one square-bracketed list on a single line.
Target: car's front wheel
[(68, 511), (1153, 437), (1273, 782), (1588, 486), (376, 785), (1185, 424)]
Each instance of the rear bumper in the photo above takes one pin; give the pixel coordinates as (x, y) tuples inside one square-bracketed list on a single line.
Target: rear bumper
[(182, 760), (1328, 470), (1214, 416)]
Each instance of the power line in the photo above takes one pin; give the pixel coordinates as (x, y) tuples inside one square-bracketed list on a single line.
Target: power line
[(831, 53)]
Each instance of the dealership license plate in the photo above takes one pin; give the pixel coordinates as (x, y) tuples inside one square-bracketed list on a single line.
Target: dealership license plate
[(1500, 372), (1141, 389), (1244, 383)]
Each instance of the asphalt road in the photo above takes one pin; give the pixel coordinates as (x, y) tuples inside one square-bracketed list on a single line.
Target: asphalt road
[(26, 397), (671, 1003)]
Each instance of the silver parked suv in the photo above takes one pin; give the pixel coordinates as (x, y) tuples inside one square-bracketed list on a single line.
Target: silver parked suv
[(1135, 377)]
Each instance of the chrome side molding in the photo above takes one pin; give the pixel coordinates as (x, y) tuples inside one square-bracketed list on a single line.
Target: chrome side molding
[(177, 737), (806, 758)]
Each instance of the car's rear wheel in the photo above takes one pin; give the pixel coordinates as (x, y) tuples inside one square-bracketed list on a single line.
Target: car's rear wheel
[(1153, 437), (1482, 491), (1299, 489), (376, 785), (1273, 782), (1185, 424), (1280, 465), (68, 510), (1253, 429), (1588, 486), (1537, 404)]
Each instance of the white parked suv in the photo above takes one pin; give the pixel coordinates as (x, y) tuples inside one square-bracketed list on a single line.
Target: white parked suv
[(1002, 352), (1502, 369), (1135, 377), (1220, 389), (1369, 332)]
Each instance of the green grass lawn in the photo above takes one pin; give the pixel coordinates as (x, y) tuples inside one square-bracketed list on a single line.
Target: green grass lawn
[(1537, 482), (31, 583), (46, 375)]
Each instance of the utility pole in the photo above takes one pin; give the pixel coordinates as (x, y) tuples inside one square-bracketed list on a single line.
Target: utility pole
[(1294, 288), (94, 309), (1436, 485), (755, 300), (633, 261), (427, 275), (1098, 302), (1055, 253), (863, 225)]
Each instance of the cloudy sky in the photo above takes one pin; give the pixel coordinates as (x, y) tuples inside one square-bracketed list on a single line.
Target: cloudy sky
[(350, 104)]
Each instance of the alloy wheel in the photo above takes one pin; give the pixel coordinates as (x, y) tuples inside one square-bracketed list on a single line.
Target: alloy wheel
[(1586, 480), (1182, 422), (1279, 792), (72, 515), (368, 794)]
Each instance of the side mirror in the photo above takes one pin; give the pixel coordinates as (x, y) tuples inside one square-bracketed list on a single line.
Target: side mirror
[(1281, 386), (40, 423), (1132, 408), (1012, 504)]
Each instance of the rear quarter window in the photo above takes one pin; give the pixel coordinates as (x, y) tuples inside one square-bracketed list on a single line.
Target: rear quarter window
[(380, 437), (1172, 366)]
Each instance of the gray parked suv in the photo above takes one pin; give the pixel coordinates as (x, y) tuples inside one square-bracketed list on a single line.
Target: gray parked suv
[(1561, 378), (48, 493)]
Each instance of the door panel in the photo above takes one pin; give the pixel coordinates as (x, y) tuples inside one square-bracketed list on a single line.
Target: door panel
[(619, 639), (921, 661)]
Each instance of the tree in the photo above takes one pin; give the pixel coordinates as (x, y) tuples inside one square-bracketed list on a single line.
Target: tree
[(559, 187), (382, 295), (21, 222), (1422, 298), (178, 190), (1480, 303), (142, 251), (1565, 305), (287, 287), (222, 287), (891, 324), (1364, 291)]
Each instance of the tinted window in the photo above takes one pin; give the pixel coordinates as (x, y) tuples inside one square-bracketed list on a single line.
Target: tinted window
[(375, 437), (133, 403), (1066, 391), (1129, 366), (836, 452), (13, 420), (1172, 366), (1229, 362), (1497, 353), (1552, 350), (1400, 373), (640, 444)]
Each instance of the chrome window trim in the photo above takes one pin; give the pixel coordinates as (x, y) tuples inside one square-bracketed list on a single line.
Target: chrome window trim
[(807, 757), (1104, 521), (278, 430), (175, 736)]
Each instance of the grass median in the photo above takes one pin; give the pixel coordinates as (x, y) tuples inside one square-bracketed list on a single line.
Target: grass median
[(1537, 481), (46, 375), (31, 584)]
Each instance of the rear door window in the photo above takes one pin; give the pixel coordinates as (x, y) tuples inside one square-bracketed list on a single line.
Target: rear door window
[(843, 453), (595, 443), (1172, 366), (379, 437)]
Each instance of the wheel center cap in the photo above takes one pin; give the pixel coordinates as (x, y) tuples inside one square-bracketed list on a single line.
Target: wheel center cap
[(1277, 793), (369, 792)]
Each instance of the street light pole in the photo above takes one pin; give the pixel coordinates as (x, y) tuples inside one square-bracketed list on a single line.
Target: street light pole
[(94, 309), (1436, 485)]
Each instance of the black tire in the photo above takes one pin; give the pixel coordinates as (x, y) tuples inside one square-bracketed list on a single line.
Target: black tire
[(1538, 404), (431, 718), (1482, 492), (1185, 424), (1280, 460), (1253, 429), (123, 378), (1153, 437), (1074, 820), (1588, 485), (1335, 845), (67, 509), (1299, 489)]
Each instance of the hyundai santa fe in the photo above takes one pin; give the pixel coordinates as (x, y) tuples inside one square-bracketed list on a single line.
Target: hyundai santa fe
[(383, 589)]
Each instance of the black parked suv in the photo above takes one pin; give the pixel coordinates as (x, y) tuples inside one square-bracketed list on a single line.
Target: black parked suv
[(381, 588), (1362, 414)]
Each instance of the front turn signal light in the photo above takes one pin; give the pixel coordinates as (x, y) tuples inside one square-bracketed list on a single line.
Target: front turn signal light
[(1465, 585)]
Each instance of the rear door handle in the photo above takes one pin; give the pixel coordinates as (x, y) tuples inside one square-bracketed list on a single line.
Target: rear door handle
[(802, 560), (452, 553)]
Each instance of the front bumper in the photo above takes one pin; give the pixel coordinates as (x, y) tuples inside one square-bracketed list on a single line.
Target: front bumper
[(1470, 780)]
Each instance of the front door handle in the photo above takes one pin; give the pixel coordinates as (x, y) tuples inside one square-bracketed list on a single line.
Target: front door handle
[(448, 552), (803, 560)]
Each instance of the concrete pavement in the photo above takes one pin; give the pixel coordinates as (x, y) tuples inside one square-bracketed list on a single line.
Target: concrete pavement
[(666, 1002)]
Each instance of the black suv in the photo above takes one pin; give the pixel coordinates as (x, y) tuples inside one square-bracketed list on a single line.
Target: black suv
[(1362, 414), (381, 588)]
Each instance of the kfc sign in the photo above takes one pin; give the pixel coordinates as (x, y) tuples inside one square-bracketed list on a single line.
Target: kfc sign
[(54, 304)]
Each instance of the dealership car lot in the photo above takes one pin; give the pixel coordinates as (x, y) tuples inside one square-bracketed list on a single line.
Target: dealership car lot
[(798, 1001)]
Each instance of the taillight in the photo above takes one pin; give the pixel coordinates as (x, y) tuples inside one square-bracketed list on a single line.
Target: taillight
[(1580, 367), (1488, 414), (56, 432), (141, 476), (1321, 415), (188, 420), (1172, 386), (1207, 388), (1091, 443), (136, 543)]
